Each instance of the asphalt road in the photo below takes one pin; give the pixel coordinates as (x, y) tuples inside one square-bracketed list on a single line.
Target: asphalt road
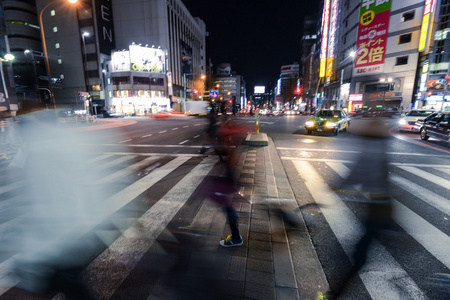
[(136, 156)]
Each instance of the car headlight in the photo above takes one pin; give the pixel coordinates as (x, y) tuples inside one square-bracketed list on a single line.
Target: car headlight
[(402, 122), (330, 124), (309, 123)]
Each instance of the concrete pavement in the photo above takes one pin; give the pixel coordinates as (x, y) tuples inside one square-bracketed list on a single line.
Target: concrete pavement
[(263, 267)]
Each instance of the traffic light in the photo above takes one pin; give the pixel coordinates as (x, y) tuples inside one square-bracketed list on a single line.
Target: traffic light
[(195, 92), (230, 101)]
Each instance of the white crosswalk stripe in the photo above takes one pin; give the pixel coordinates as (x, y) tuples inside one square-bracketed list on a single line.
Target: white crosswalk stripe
[(128, 247), (152, 223), (427, 176), (384, 274), (417, 227)]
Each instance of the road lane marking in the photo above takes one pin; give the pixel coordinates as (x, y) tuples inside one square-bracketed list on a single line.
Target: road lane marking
[(160, 154), (417, 227), (145, 136), (380, 279), (118, 175), (352, 151), (444, 170), (113, 205), (115, 162), (425, 195), (196, 136), (186, 126), (176, 128), (197, 124), (125, 141), (140, 237), (427, 176), (325, 160), (153, 146), (99, 158), (185, 141), (164, 131)]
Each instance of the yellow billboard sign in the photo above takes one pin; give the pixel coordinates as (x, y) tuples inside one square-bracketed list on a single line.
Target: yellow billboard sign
[(427, 25)]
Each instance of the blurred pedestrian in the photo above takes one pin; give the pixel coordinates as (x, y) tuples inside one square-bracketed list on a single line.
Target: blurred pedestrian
[(222, 188), (370, 171), (61, 200)]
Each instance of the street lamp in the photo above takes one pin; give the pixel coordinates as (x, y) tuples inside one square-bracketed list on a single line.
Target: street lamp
[(45, 48), (88, 84)]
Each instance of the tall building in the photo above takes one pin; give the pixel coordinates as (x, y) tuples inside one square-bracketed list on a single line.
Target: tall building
[(231, 86), (79, 38), (22, 26), (169, 26), (309, 36), (369, 48), (103, 34), (8, 99), (434, 66), (287, 84)]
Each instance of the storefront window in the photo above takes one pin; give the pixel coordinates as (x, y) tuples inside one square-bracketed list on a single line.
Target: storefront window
[(121, 80), (157, 81), (142, 94), (380, 87), (141, 80), (122, 93)]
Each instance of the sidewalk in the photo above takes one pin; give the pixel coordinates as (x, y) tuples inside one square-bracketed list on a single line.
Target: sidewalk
[(264, 268)]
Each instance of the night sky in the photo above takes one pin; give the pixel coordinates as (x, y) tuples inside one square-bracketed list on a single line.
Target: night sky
[(256, 37)]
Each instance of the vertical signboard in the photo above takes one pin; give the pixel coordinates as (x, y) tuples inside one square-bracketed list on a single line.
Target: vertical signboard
[(186, 58), (121, 61), (427, 25), (372, 36), (332, 36), (323, 49), (105, 26)]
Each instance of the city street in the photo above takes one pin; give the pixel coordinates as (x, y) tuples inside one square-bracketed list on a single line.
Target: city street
[(154, 223)]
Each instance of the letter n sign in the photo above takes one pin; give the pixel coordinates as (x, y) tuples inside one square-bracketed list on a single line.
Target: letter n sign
[(105, 26)]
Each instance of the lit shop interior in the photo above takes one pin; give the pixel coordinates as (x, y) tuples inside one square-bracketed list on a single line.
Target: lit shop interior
[(139, 81)]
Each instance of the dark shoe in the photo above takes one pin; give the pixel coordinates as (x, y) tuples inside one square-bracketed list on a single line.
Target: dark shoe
[(230, 242)]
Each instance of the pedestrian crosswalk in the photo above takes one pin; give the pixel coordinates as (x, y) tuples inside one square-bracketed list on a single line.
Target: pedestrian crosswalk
[(149, 190), (127, 227), (416, 202)]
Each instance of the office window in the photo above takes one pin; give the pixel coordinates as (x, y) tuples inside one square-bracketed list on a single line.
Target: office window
[(401, 60), (55, 29), (405, 38), (408, 16), (52, 13), (57, 45)]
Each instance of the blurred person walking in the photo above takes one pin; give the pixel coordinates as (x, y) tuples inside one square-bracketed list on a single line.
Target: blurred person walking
[(60, 203), (370, 172)]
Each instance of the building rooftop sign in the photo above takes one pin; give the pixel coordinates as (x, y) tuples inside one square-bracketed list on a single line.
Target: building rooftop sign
[(139, 58)]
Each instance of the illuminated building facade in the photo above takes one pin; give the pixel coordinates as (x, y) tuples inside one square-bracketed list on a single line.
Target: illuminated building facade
[(434, 67), (169, 26), (372, 50)]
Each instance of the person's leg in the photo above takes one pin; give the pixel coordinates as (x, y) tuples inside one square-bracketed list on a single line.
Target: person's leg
[(235, 238)]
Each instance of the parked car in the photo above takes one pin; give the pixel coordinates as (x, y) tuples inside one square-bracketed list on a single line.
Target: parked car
[(409, 120), (112, 114), (327, 120), (437, 126), (374, 112)]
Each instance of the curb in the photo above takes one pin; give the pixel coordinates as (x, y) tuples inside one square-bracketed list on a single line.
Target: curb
[(256, 139)]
